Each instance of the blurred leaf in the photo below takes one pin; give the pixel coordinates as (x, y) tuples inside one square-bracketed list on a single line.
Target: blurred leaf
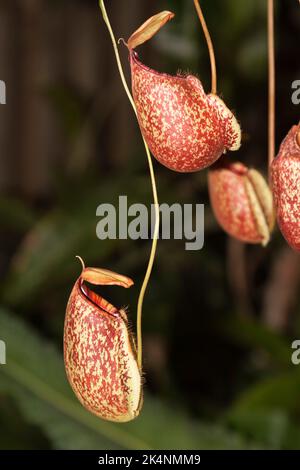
[(18, 433), (272, 427), (34, 375), (15, 214), (48, 251), (248, 332), (69, 106), (243, 14), (267, 409), (252, 57), (280, 392), (45, 396), (175, 46)]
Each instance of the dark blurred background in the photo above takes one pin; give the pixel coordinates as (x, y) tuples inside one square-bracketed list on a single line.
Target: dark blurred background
[(218, 323)]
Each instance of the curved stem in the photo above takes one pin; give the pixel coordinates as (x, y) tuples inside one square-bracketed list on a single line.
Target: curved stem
[(115, 46), (271, 83), (210, 47), (151, 259), (155, 197)]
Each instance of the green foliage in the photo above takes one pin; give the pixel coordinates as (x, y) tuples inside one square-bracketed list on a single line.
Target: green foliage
[(17, 215), (266, 410), (213, 379), (35, 378), (249, 332)]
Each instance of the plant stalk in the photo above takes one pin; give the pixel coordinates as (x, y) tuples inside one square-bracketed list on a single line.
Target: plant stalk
[(155, 197), (210, 47), (271, 84)]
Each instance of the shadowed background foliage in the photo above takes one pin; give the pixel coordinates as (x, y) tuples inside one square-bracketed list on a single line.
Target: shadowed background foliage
[(218, 323)]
